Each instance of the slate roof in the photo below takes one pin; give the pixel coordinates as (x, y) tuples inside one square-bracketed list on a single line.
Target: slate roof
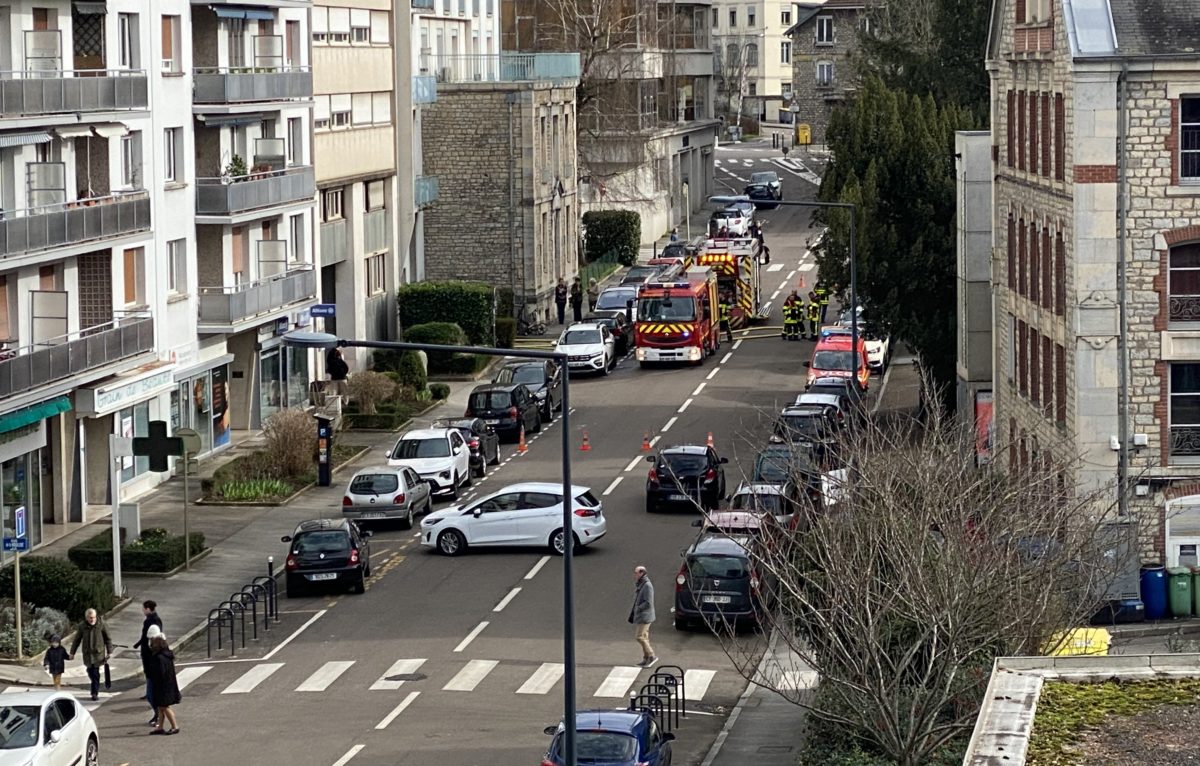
[(1156, 27)]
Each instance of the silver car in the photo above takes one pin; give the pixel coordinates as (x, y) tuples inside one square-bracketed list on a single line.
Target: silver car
[(387, 493)]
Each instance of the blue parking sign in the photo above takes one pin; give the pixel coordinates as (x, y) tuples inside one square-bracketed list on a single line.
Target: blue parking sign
[(19, 519)]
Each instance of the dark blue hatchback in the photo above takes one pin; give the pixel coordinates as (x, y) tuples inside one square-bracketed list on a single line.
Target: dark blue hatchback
[(613, 738)]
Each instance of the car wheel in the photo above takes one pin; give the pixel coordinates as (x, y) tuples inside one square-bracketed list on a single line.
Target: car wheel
[(92, 754), (451, 543), (407, 521), (360, 586), (556, 542)]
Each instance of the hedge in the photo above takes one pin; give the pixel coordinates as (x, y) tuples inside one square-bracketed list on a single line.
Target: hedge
[(609, 231), (470, 305), (506, 332), (57, 583), (155, 551), (441, 334)]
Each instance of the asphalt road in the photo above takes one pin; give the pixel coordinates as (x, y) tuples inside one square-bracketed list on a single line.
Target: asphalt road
[(465, 653)]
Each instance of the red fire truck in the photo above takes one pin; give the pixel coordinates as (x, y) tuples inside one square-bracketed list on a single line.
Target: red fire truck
[(677, 318)]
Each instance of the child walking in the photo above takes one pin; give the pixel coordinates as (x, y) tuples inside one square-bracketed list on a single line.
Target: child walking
[(55, 660)]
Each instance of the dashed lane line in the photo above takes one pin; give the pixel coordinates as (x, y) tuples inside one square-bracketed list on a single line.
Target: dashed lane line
[(612, 486), (670, 423)]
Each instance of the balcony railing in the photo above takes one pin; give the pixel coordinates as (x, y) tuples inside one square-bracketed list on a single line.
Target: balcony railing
[(77, 91), (73, 223), (375, 230), (238, 85), (242, 194), (502, 67), (28, 367), (424, 89), (426, 190), (334, 242), (223, 307)]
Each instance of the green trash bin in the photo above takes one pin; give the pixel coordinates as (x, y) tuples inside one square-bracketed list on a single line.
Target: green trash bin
[(1179, 591)]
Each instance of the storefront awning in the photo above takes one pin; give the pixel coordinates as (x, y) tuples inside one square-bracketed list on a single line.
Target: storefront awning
[(239, 12), (11, 421), (23, 139)]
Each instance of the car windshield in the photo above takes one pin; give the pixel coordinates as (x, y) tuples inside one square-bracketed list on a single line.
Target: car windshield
[(602, 747), (374, 484), (321, 542), (18, 726), (833, 360), (720, 567), (414, 449), (490, 400), (676, 309), (764, 503), (579, 337), (681, 463), (614, 299)]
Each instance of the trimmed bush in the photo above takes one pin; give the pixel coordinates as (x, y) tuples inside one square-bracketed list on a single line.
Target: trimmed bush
[(441, 334), (608, 231), (506, 332), (58, 584), (439, 391), (470, 305), (154, 551)]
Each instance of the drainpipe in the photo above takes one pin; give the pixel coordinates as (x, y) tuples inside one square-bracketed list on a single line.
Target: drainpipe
[(518, 302), (1122, 299)]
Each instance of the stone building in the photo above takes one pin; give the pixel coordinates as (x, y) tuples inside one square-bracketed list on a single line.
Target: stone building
[(503, 151), (824, 40), (1096, 149)]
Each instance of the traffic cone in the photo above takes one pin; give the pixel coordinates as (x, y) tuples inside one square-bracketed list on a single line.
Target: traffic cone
[(522, 447), (646, 442), (710, 441), (586, 446)]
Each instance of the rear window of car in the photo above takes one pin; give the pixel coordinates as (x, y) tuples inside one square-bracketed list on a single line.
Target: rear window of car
[(684, 463), (720, 567), (374, 484), (602, 747), (491, 400), (331, 541), (415, 449)]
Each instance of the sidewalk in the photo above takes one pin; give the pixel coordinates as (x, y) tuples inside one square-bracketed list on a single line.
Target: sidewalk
[(241, 539)]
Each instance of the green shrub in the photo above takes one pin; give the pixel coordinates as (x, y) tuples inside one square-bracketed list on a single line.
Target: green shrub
[(608, 231), (506, 332), (470, 305), (439, 391), (58, 584), (441, 334), (155, 551)]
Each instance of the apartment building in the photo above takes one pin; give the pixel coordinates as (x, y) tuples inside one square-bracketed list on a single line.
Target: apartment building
[(752, 57), (1096, 151), (824, 41)]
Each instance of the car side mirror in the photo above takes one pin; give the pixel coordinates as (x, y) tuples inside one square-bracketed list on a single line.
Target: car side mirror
[(723, 461), (56, 736), (550, 731), (285, 539)]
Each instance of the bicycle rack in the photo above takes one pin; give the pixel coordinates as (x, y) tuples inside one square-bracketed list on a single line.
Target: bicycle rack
[(218, 618), (663, 696)]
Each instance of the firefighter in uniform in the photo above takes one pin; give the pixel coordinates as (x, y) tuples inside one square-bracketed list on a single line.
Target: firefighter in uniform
[(814, 315), (726, 317), (791, 317), (822, 291)]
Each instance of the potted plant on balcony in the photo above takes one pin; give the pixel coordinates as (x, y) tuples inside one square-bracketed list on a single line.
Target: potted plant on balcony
[(236, 170)]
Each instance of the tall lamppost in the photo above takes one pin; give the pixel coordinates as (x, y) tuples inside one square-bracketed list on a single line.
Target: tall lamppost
[(321, 340)]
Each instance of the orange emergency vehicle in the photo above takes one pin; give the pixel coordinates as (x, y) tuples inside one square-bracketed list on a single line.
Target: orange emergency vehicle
[(832, 358), (677, 319)]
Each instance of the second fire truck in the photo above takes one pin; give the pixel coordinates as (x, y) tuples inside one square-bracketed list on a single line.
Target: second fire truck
[(677, 318)]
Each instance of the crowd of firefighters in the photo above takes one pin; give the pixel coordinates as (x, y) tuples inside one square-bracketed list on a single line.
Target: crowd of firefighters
[(799, 315)]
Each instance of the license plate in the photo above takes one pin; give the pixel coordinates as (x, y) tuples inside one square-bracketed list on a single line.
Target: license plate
[(322, 576), (371, 515), (717, 599), (492, 422), (678, 497)]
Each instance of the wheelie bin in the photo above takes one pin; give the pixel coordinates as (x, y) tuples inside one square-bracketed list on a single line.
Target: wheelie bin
[(1179, 586), (1154, 591)]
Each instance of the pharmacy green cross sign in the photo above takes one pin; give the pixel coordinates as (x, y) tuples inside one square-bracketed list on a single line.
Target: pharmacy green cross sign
[(158, 446)]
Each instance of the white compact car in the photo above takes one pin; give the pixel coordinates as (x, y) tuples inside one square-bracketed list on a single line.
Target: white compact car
[(589, 348), (528, 514), (46, 728), (440, 456)]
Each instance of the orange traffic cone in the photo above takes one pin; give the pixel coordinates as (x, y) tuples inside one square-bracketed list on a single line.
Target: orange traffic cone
[(586, 446), (710, 441), (646, 442), (522, 447)]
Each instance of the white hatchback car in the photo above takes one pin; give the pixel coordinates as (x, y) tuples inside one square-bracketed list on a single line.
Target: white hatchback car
[(440, 456), (589, 347), (528, 514), (46, 728)]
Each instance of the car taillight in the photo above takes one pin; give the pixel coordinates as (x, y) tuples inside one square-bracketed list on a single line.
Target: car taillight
[(586, 512), (512, 412), (354, 555), (711, 475), (398, 499), (681, 578), (346, 500), (653, 476), (291, 562)]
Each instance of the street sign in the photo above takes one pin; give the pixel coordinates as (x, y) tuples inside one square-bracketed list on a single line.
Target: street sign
[(17, 544), (157, 446), (19, 519), (323, 310)]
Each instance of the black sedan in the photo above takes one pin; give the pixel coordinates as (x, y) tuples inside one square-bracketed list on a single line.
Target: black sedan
[(543, 378), (622, 330), (481, 438), (691, 475), (764, 186)]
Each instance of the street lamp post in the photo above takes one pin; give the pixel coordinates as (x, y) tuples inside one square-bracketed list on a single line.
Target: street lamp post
[(320, 340)]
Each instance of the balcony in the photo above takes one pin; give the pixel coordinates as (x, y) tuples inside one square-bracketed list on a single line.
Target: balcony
[(243, 85), (73, 223), (228, 197), (424, 89), (335, 242), (503, 67), (68, 356), (70, 92), (229, 309), (425, 191)]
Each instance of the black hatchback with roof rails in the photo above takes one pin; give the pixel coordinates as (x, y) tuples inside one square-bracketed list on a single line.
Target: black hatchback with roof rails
[(327, 552)]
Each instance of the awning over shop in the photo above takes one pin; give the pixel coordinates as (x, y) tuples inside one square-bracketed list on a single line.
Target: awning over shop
[(11, 421), (240, 12), (23, 139)]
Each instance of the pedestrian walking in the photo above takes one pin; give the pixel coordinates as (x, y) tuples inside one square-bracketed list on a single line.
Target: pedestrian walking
[(151, 628), (642, 615), (166, 687), (593, 295), (560, 300), (338, 370), (577, 300), (92, 635), (55, 660)]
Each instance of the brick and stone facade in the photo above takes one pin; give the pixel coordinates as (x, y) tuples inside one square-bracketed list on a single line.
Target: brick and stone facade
[(1081, 122), (507, 210), (824, 41)]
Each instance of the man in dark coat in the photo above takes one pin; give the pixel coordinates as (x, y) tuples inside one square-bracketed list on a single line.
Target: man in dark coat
[(150, 621)]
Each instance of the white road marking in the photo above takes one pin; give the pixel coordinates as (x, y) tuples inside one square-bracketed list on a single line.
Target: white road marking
[(612, 486), (695, 683), (727, 355), (684, 406), (543, 679), (469, 677), (387, 719), (737, 343), (712, 373), (325, 675), (775, 267), (504, 601), (398, 668), (252, 678), (349, 754), (537, 567), (632, 464), (295, 633), (185, 677), (618, 681), (670, 423), (699, 388), (471, 636)]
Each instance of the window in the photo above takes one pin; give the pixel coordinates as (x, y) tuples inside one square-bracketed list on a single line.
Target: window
[(716, 14), (1183, 283), (131, 159), (127, 41), (173, 154), (785, 52), (785, 18), (824, 74), (360, 34), (177, 266), (374, 193), (296, 239), (331, 205), (824, 30), (170, 44), (1189, 139), (750, 19), (752, 54), (733, 17), (135, 269), (375, 274)]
